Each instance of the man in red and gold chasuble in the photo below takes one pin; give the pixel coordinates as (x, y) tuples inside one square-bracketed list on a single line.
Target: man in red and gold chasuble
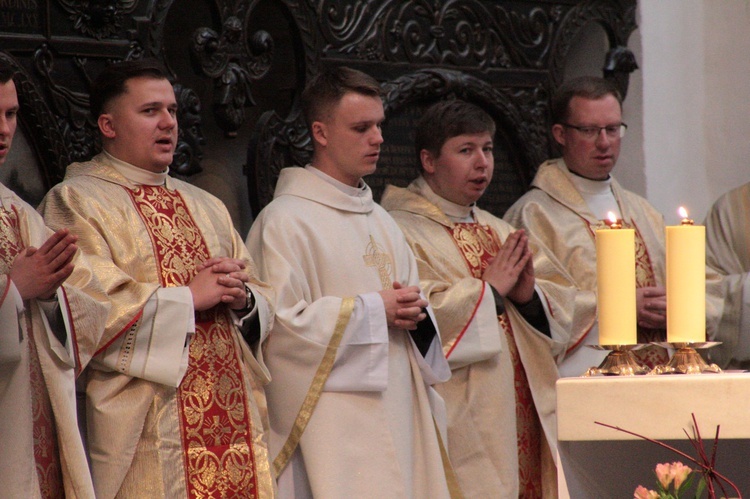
[(175, 398), (502, 323), (48, 300), (570, 198)]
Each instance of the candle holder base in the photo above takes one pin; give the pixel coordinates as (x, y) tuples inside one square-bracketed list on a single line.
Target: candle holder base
[(620, 361), (687, 360)]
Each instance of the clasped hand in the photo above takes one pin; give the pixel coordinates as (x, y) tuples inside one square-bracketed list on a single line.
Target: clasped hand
[(37, 273), (651, 304), (220, 280), (511, 271), (403, 306)]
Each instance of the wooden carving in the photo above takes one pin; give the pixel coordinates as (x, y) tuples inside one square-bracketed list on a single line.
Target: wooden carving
[(508, 56)]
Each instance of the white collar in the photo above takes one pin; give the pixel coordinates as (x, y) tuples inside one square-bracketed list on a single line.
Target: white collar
[(137, 175), (588, 186), (456, 212), (345, 188)]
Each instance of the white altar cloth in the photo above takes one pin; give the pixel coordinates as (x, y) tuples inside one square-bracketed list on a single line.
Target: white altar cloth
[(600, 462)]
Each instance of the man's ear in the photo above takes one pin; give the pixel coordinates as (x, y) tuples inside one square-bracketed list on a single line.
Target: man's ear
[(106, 126), (558, 133), (428, 161), (320, 133)]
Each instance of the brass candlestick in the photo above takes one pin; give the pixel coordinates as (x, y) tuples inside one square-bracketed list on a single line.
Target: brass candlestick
[(686, 359), (620, 361)]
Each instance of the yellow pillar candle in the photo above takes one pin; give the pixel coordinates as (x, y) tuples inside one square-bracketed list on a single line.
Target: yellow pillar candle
[(686, 282), (615, 280)]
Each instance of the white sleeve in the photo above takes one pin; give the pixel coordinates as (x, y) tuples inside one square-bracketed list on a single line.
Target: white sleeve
[(52, 311), (156, 347), (362, 358), (11, 334), (480, 339)]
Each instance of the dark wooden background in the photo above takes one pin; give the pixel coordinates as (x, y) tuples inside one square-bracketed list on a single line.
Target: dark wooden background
[(239, 66)]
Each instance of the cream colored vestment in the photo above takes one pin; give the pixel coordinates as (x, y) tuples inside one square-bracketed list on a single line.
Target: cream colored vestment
[(558, 217), (369, 429), (42, 453), (480, 393), (728, 253), (170, 413)]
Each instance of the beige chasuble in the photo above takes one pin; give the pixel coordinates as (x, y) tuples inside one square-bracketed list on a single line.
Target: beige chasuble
[(352, 409), (177, 423), (42, 452), (558, 217), (556, 214), (501, 396), (728, 253)]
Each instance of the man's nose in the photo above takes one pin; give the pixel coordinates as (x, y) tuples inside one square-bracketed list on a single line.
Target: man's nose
[(483, 160), (602, 139), (169, 119), (4, 126)]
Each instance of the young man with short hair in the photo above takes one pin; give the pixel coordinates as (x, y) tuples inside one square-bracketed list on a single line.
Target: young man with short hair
[(353, 352), (480, 276), (175, 403)]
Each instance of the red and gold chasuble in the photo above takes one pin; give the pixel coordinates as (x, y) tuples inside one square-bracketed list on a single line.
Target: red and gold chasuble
[(215, 422), (46, 452), (479, 244)]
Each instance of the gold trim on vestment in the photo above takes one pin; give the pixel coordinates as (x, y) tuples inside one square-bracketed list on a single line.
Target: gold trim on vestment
[(316, 388)]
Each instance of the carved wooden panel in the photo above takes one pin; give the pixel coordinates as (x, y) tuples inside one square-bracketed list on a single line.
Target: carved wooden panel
[(240, 65), (508, 57)]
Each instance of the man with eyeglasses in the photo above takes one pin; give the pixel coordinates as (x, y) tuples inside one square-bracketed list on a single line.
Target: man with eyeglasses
[(570, 198)]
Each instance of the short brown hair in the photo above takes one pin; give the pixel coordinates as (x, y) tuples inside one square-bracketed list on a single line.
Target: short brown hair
[(326, 89), (448, 119), (6, 71), (110, 83), (587, 87)]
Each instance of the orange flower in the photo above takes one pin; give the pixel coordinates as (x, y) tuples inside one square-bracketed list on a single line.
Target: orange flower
[(643, 493), (680, 473), (664, 474)]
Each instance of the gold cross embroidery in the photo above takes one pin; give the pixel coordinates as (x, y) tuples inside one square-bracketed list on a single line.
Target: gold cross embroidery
[(375, 257), (214, 428)]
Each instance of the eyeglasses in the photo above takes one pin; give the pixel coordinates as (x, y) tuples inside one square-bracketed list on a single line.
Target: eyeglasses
[(592, 132)]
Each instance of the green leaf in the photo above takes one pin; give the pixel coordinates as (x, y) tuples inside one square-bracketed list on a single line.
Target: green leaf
[(701, 487), (686, 484)]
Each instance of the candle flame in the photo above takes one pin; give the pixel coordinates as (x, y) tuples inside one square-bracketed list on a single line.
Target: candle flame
[(682, 211), (612, 217)]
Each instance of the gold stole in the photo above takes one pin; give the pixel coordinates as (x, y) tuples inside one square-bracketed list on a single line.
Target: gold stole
[(46, 452), (216, 429), (479, 244)]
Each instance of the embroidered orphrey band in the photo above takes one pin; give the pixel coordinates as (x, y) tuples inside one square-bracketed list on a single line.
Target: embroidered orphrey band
[(216, 426)]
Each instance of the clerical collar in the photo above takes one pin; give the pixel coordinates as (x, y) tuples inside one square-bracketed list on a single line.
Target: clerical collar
[(137, 175), (345, 188), (597, 194), (456, 212)]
